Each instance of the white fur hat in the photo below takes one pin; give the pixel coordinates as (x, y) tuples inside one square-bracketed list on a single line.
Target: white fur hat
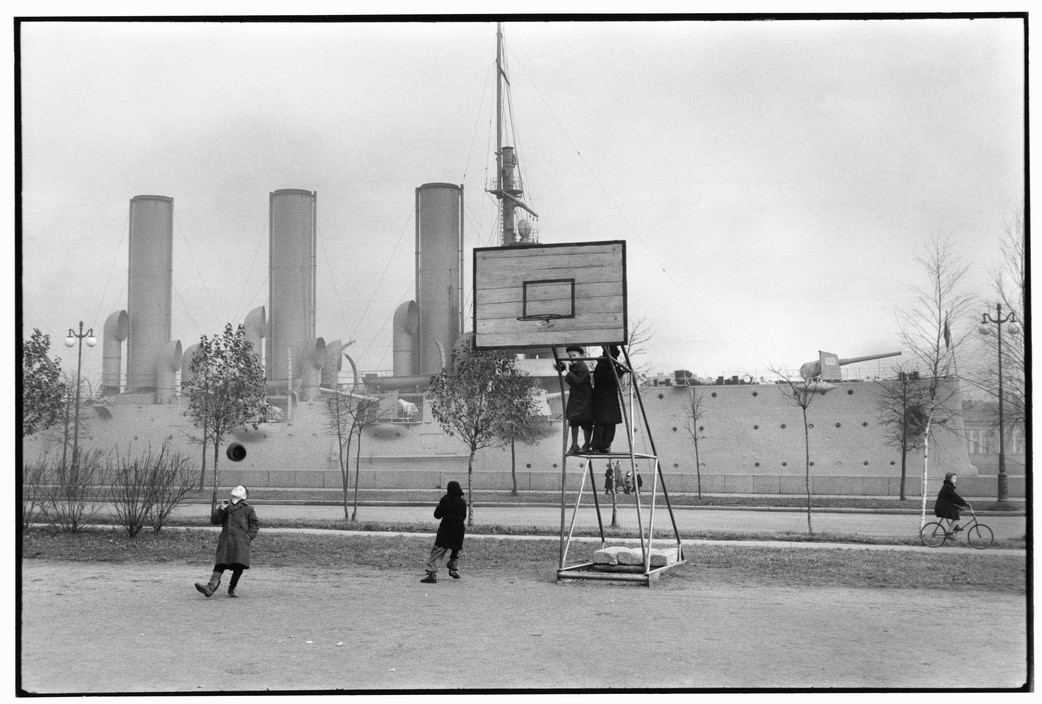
[(239, 492)]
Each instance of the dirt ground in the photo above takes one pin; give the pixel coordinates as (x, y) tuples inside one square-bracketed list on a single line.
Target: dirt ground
[(142, 628)]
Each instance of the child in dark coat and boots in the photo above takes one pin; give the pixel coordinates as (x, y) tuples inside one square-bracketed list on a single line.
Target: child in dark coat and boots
[(239, 526), (579, 409), (452, 510)]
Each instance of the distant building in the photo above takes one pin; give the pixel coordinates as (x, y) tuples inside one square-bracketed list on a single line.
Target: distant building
[(981, 421)]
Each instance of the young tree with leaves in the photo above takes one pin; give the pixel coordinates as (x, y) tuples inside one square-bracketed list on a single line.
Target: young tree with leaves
[(226, 390), (43, 389), (527, 431), (477, 398), (931, 329)]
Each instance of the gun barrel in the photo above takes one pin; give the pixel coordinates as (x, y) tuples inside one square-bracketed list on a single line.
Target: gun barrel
[(868, 358)]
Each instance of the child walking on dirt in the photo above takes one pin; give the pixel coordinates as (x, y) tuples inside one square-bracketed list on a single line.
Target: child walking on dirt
[(239, 526), (452, 510)]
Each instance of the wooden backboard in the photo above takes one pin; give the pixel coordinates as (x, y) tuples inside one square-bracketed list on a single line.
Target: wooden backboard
[(550, 295)]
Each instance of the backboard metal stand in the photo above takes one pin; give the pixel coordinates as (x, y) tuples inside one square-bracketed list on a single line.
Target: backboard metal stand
[(643, 573), (571, 293)]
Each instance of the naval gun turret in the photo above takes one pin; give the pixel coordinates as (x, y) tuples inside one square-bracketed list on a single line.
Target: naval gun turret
[(828, 364)]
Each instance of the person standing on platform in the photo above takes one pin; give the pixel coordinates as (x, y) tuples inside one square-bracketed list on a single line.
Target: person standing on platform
[(578, 410), (606, 411)]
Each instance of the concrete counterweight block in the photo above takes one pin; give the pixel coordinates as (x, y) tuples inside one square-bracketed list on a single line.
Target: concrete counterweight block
[(609, 555)]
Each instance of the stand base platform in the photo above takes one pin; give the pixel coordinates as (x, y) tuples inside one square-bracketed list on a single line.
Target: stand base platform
[(614, 573)]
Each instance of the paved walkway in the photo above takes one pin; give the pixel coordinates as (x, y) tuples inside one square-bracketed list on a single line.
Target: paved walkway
[(691, 521)]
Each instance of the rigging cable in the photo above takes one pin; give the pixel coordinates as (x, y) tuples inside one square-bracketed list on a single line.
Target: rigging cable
[(332, 278), (112, 268), (239, 310), (380, 280), (206, 290), (629, 225)]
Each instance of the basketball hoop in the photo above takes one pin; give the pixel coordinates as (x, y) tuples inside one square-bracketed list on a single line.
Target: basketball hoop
[(545, 320)]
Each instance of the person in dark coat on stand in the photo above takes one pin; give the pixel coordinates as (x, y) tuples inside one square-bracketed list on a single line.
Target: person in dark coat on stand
[(606, 411), (949, 501), (452, 510), (239, 526), (578, 410)]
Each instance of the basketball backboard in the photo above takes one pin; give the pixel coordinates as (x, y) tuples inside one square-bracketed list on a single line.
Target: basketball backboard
[(550, 295)]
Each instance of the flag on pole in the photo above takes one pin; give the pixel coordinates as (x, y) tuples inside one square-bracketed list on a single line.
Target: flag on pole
[(947, 333)]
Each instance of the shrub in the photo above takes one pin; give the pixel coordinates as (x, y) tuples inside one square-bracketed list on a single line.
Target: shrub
[(33, 476), (69, 496), (147, 488)]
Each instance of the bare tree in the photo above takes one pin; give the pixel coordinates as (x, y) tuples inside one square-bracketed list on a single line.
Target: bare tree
[(695, 412), (801, 393), (639, 348), (933, 329), (369, 411), (902, 414)]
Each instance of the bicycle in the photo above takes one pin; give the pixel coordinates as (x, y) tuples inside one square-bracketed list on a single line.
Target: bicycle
[(978, 535)]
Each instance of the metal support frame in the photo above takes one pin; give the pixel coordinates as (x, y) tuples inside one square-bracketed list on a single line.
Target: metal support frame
[(621, 573)]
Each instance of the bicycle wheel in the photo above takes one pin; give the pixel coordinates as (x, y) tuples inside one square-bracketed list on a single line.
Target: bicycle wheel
[(980, 536), (933, 535)]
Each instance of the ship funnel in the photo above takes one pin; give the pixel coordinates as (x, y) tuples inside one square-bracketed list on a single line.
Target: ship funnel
[(439, 284), (149, 287), (117, 327), (291, 281)]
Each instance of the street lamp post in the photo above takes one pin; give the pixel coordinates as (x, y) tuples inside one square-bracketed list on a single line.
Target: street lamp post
[(75, 338), (998, 320)]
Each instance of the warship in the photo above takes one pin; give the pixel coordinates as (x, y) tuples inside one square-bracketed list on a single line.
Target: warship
[(750, 438)]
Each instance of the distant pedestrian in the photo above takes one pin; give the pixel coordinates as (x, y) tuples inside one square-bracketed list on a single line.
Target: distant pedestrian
[(609, 479), (239, 526), (606, 410), (452, 510), (949, 501), (578, 410), (628, 485), (640, 480)]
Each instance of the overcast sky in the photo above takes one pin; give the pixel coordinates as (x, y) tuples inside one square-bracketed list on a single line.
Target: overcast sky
[(773, 180)]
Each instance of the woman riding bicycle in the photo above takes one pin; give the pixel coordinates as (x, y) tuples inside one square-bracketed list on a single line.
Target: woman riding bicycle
[(949, 501)]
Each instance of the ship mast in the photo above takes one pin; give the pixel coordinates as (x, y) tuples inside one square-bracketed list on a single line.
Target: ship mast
[(508, 189)]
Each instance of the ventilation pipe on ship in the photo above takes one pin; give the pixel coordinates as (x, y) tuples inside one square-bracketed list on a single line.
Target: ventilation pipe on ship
[(117, 327), (406, 325), (256, 328), (332, 365), (168, 363), (311, 363), (186, 364)]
